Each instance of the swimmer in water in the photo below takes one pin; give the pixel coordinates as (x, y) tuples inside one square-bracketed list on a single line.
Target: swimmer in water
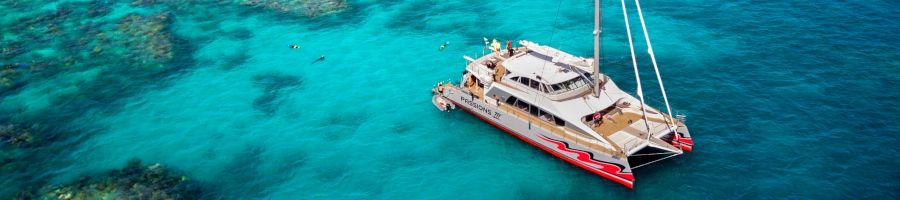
[(444, 45), (321, 58), (294, 46)]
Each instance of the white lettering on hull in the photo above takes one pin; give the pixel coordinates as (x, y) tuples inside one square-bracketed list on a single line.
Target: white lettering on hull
[(476, 106)]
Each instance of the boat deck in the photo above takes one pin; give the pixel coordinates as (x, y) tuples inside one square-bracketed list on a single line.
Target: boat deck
[(622, 128), (575, 136), (578, 137)]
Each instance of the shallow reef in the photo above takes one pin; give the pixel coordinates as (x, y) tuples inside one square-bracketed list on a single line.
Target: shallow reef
[(16, 136), (147, 38), (273, 85), (124, 54), (309, 8), (93, 56), (10, 77), (134, 181)]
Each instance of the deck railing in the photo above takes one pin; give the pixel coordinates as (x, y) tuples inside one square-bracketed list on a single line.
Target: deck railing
[(564, 132)]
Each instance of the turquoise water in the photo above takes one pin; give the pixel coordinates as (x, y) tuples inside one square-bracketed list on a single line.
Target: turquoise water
[(784, 100)]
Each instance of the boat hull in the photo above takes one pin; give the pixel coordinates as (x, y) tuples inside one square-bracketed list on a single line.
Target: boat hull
[(599, 163)]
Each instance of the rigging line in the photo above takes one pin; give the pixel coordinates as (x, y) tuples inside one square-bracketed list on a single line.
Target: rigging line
[(552, 33), (637, 75), (544, 64), (650, 154), (655, 67), (673, 155)]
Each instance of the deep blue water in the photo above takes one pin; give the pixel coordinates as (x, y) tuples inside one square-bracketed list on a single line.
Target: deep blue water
[(785, 99)]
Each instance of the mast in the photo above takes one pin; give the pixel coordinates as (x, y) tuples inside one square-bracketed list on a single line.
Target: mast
[(597, 30)]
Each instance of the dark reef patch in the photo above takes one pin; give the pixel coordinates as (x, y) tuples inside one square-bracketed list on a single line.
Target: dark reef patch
[(11, 78), (267, 102), (246, 173), (134, 181), (410, 18), (332, 172), (401, 127), (237, 59), (16, 136), (310, 8), (241, 34), (129, 54), (118, 57), (273, 85)]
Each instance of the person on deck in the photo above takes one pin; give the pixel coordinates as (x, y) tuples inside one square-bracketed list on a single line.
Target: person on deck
[(509, 48), (495, 47), (597, 119)]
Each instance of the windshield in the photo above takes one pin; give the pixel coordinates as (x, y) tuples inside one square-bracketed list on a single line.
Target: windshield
[(569, 85)]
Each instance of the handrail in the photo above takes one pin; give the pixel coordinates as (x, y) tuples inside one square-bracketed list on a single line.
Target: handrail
[(562, 132)]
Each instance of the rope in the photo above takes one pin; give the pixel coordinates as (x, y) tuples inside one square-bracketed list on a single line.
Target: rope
[(673, 155), (650, 154), (655, 67), (637, 75), (550, 42), (544, 65)]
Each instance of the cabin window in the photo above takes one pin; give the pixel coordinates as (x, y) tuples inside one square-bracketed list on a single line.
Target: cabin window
[(544, 88), (515, 78), (579, 82), (524, 81), (570, 85), (534, 85), (535, 111), (545, 116), (511, 100), (522, 105), (566, 86), (558, 121)]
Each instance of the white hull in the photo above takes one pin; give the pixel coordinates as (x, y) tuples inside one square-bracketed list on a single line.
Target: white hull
[(600, 163)]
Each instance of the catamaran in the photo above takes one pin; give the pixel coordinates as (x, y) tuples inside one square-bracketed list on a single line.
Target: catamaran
[(564, 105)]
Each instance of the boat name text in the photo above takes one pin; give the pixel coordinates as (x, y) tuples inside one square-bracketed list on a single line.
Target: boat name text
[(471, 102)]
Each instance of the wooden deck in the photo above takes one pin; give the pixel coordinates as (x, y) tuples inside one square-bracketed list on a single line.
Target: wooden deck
[(624, 118), (620, 120)]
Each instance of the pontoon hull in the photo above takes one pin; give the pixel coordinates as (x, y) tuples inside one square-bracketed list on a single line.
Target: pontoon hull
[(599, 163)]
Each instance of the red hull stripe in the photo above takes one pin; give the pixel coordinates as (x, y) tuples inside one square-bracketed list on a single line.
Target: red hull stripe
[(611, 169), (687, 148), (686, 144), (627, 179), (687, 141)]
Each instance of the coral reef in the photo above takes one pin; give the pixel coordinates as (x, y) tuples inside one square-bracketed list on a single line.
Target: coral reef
[(311, 8), (240, 178), (134, 181), (63, 41), (94, 55), (10, 75), (76, 38), (146, 38), (12, 135)]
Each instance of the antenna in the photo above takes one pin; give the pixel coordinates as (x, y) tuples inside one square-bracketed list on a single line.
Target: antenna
[(597, 31)]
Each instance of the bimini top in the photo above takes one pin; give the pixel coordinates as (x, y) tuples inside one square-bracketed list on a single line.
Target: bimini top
[(546, 64)]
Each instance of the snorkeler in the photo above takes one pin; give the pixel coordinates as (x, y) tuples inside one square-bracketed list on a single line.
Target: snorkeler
[(294, 46), (321, 58), (444, 45)]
